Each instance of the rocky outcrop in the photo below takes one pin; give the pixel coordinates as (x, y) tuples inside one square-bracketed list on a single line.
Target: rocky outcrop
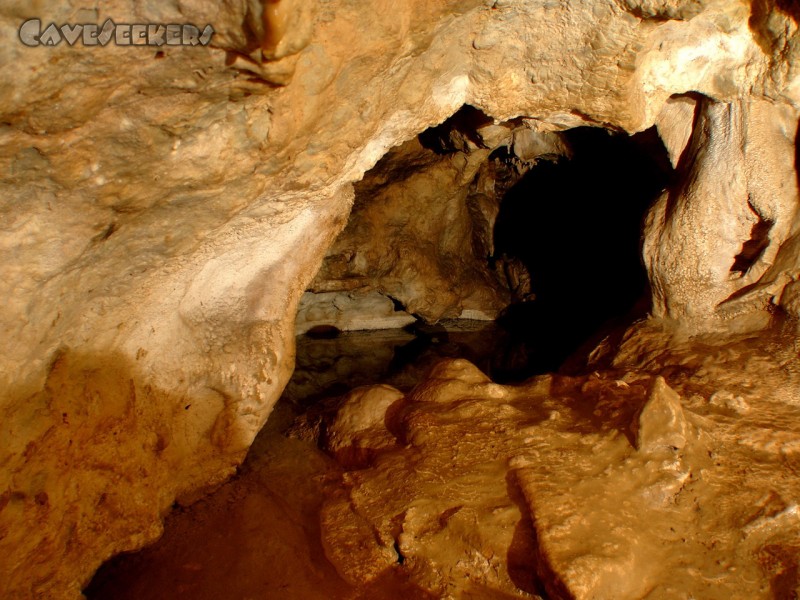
[(165, 208), (711, 238), (619, 484)]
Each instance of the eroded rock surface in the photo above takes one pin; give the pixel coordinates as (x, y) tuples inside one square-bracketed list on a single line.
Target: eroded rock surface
[(422, 228), (710, 239), (164, 210), (621, 484)]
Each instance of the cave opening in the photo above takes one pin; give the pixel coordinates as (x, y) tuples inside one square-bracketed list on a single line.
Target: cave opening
[(575, 226), (512, 244), (556, 236)]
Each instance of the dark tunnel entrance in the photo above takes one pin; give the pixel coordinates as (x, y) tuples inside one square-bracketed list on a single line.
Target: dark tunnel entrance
[(576, 226)]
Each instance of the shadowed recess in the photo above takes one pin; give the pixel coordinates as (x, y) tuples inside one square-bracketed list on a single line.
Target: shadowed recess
[(576, 225)]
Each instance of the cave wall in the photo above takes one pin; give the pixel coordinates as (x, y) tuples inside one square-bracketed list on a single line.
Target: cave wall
[(420, 240), (713, 237), (165, 209)]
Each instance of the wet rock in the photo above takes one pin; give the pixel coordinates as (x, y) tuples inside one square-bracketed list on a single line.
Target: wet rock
[(357, 551), (353, 311), (165, 209), (359, 428), (661, 425), (630, 492)]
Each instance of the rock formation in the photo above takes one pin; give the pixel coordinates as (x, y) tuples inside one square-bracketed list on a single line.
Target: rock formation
[(422, 228), (167, 207), (609, 485)]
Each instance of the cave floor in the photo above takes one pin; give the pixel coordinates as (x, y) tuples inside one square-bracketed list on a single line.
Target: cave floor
[(669, 473), (258, 535)]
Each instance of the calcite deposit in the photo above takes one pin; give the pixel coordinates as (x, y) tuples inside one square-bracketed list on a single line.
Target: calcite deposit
[(677, 481), (668, 472), (165, 209)]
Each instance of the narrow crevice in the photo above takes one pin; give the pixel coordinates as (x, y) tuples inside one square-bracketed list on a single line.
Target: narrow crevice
[(754, 247), (400, 558), (397, 304)]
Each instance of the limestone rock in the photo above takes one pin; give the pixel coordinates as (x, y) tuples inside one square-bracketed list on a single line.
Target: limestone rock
[(358, 554), (423, 223), (664, 9), (675, 123), (359, 427), (416, 235), (354, 311), (449, 543), (685, 503), (164, 209), (530, 144), (661, 424), (709, 240)]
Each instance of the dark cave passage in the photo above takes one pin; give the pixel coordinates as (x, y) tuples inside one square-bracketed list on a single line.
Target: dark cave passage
[(550, 221), (576, 226)]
